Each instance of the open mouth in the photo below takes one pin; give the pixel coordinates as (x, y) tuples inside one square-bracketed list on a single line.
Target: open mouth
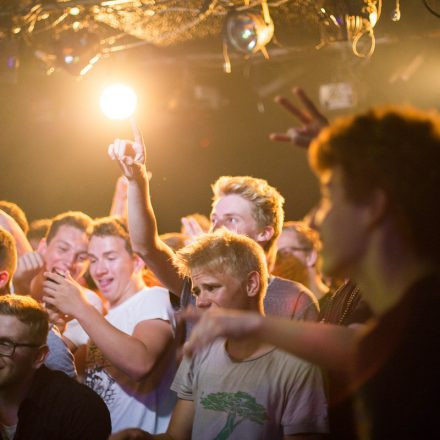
[(105, 283)]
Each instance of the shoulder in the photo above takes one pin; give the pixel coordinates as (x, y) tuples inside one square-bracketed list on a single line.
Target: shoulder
[(289, 287), (65, 391)]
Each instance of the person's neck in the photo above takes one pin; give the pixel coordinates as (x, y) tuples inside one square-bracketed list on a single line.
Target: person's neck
[(316, 285), (11, 398), (388, 271), (248, 347), (133, 286)]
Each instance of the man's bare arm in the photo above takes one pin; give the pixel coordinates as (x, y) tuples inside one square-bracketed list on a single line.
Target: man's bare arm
[(136, 355), (141, 219), (326, 345), (144, 234), (21, 242)]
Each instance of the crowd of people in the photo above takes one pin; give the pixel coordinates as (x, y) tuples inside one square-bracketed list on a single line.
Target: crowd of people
[(243, 325)]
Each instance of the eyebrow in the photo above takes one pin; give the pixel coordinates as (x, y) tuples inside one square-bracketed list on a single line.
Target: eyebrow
[(105, 254)]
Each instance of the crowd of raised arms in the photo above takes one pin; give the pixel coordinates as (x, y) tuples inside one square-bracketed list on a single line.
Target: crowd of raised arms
[(245, 325)]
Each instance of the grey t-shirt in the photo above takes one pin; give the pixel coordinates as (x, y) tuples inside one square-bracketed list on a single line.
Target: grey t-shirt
[(265, 397)]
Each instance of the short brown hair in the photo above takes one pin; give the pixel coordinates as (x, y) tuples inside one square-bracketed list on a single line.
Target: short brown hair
[(222, 251), (397, 150), (8, 256), (113, 226), (307, 237), (75, 219), (267, 202), (29, 312), (38, 229)]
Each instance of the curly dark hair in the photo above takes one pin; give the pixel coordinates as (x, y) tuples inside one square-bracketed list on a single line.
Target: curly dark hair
[(397, 150)]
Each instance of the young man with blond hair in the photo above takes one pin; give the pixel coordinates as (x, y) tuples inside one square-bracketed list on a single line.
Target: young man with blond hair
[(239, 389), (243, 204)]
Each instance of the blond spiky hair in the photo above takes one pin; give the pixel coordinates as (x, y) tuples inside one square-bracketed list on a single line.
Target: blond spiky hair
[(224, 251)]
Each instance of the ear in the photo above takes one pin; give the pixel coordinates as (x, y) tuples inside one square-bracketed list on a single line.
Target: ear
[(377, 207), (42, 246), (41, 356), (311, 258), (138, 263), (4, 278), (253, 284), (265, 234)]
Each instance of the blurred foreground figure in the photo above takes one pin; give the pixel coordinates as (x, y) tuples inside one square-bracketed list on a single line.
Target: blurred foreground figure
[(239, 389), (378, 222)]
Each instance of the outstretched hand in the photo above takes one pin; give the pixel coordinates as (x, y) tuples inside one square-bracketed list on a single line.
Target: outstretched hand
[(191, 228), (130, 155), (312, 120), (216, 323)]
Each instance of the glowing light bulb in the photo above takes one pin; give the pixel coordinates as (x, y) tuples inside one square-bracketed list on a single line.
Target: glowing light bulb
[(118, 101)]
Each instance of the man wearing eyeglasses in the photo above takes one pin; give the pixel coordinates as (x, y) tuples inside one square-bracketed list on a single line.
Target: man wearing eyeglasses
[(37, 403)]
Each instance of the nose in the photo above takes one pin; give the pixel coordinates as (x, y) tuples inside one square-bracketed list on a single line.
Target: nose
[(203, 301), (98, 268)]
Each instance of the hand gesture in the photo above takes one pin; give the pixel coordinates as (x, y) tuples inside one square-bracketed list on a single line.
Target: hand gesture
[(64, 293), (28, 267), (129, 154), (313, 121), (191, 228)]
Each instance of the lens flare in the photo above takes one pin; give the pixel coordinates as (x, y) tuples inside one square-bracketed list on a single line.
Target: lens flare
[(118, 101)]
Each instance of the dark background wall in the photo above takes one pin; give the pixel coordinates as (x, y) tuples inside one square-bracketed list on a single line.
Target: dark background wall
[(53, 137)]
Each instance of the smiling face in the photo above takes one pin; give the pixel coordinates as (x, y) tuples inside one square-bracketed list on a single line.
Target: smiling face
[(235, 213), (343, 227), (25, 360), (114, 270), (67, 251)]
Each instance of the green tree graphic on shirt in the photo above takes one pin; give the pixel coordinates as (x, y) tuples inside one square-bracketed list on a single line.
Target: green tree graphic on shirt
[(239, 406)]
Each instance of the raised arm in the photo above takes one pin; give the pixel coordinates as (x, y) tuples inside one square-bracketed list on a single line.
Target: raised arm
[(119, 205), (136, 355), (312, 120), (142, 223), (21, 242)]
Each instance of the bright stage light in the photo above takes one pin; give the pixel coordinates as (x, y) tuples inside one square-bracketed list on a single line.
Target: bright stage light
[(118, 101)]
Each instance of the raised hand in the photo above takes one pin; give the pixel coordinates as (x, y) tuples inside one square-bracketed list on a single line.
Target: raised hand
[(313, 121), (191, 228), (28, 267), (130, 155)]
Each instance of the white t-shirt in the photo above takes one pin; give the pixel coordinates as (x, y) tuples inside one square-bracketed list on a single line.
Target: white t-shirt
[(133, 404), (74, 332)]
